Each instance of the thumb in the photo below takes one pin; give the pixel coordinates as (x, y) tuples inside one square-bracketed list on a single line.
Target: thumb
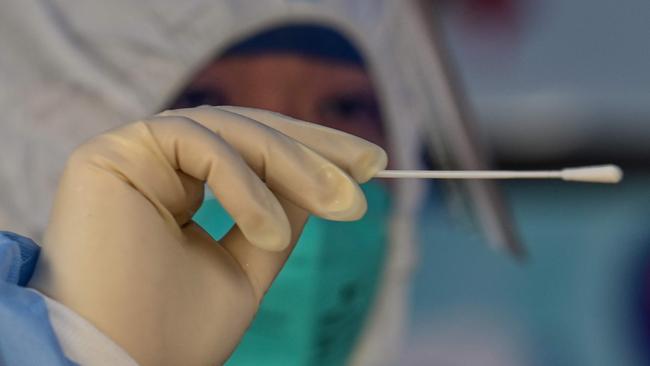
[(262, 266)]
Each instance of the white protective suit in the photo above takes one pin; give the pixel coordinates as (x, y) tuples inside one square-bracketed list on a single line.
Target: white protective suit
[(73, 69)]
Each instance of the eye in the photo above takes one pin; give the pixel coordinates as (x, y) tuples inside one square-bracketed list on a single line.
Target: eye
[(349, 109), (195, 97)]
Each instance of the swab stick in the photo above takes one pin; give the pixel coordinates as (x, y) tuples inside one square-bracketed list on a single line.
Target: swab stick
[(593, 174)]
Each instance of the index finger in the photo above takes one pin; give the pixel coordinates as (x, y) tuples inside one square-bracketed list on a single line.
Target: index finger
[(290, 168), (360, 158)]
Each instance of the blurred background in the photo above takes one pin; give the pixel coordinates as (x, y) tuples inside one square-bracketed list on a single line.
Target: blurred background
[(552, 83)]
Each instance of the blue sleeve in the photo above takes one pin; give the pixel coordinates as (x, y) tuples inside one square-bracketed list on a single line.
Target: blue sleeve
[(26, 335)]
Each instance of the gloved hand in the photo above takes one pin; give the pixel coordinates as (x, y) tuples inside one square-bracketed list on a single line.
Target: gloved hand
[(122, 250)]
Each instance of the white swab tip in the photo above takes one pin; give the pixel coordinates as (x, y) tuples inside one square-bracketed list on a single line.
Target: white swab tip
[(596, 174)]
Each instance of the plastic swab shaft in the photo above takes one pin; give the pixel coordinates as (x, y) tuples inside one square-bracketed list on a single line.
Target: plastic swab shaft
[(594, 174)]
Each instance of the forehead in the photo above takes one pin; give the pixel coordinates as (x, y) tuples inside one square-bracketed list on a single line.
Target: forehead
[(282, 69)]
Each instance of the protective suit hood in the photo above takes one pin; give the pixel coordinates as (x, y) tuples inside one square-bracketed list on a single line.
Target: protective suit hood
[(79, 68)]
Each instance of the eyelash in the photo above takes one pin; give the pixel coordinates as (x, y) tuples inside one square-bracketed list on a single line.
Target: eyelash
[(197, 97), (345, 106)]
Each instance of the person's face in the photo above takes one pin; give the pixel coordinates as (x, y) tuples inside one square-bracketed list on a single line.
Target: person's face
[(335, 95)]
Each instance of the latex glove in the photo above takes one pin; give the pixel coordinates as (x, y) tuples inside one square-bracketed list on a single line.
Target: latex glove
[(122, 251)]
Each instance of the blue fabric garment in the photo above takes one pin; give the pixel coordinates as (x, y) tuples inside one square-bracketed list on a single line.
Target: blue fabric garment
[(26, 335)]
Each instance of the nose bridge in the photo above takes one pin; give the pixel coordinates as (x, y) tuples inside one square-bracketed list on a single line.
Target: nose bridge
[(278, 83), (290, 91), (284, 106), (282, 99)]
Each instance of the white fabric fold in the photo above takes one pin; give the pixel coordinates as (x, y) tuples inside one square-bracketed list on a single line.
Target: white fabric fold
[(81, 341)]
